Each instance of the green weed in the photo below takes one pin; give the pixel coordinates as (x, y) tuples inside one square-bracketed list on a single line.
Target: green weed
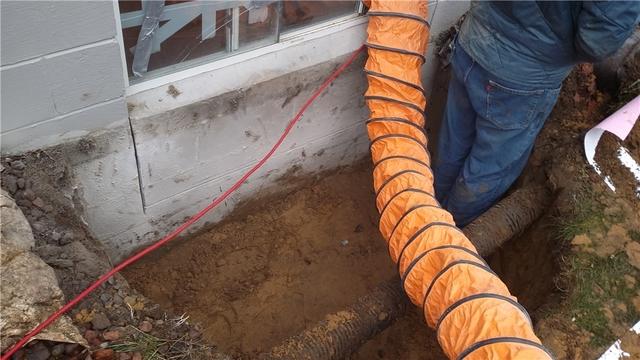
[(155, 348), (587, 216), (597, 282)]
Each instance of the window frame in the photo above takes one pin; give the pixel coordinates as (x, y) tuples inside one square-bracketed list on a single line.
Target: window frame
[(212, 62)]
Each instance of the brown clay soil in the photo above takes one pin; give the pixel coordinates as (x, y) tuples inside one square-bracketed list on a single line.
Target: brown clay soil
[(278, 266)]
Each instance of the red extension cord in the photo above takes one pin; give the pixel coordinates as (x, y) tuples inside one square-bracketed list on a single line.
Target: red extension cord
[(53, 317)]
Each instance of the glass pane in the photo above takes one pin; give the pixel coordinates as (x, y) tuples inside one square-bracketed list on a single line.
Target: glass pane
[(192, 32), (297, 14), (258, 26)]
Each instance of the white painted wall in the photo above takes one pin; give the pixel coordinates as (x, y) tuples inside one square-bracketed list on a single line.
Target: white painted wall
[(169, 156)]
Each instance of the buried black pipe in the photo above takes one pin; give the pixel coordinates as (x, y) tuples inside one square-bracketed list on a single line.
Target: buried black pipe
[(343, 332)]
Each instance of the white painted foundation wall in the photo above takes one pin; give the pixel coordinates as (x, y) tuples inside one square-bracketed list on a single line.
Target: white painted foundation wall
[(155, 158)]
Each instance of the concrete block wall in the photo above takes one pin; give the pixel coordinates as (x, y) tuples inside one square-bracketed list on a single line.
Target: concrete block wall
[(61, 71), (146, 161)]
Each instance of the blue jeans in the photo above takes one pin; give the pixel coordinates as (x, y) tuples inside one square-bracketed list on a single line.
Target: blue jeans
[(487, 135)]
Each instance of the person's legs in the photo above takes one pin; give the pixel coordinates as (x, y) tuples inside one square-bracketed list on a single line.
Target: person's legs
[(457, 132), (508, 121)]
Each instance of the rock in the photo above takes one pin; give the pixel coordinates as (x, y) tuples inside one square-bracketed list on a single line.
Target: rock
[(71, 348), (18, 165), (90, 335), (57, 349), (21, 183), (117, 299), (24, 203), (55, 235), (632, 249), (10, 183), (36, 213), (29, 195), (38, 352), (103, 354), (125, 356), (105, 297), (100, 321), (136, 356), (67, 237), (38, 227), (221, 262), (48, 208), (581, 240), (383, 316), (111, 335), (39, 203), (15, 234), (145, 326)]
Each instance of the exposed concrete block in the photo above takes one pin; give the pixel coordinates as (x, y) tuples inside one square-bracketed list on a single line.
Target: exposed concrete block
[(54, 86), (57, 130), (108, 178), (35, 28), (181, 149)]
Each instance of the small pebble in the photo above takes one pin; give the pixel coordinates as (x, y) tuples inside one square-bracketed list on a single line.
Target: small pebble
[(145, 326), (66, 238), (55, 235), (90, 335), (71, 348), (111, 335), (125, 356), (57, 350), (21, 183), (100, 321), (38, 226), (39, 203), (136, 356), (117, 299), (344, 242), (18, 165), (103, 354), (29, 194), (36, 213), (24, 203), (105, 297), (10, 183), (38, 352)]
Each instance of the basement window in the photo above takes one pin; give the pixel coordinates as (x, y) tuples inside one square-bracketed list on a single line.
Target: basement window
[(162, 37)]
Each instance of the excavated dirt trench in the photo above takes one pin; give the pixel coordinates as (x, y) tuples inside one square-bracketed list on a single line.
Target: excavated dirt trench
[(279, 265)]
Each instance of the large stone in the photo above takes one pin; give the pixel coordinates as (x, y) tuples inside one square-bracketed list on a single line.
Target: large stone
[(15, 233), (30, 290)]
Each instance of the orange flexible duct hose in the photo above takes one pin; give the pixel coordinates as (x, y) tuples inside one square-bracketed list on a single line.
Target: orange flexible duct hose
[(471, 309)]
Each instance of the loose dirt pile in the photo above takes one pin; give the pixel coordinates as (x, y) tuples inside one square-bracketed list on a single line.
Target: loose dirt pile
[(276, 266)]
